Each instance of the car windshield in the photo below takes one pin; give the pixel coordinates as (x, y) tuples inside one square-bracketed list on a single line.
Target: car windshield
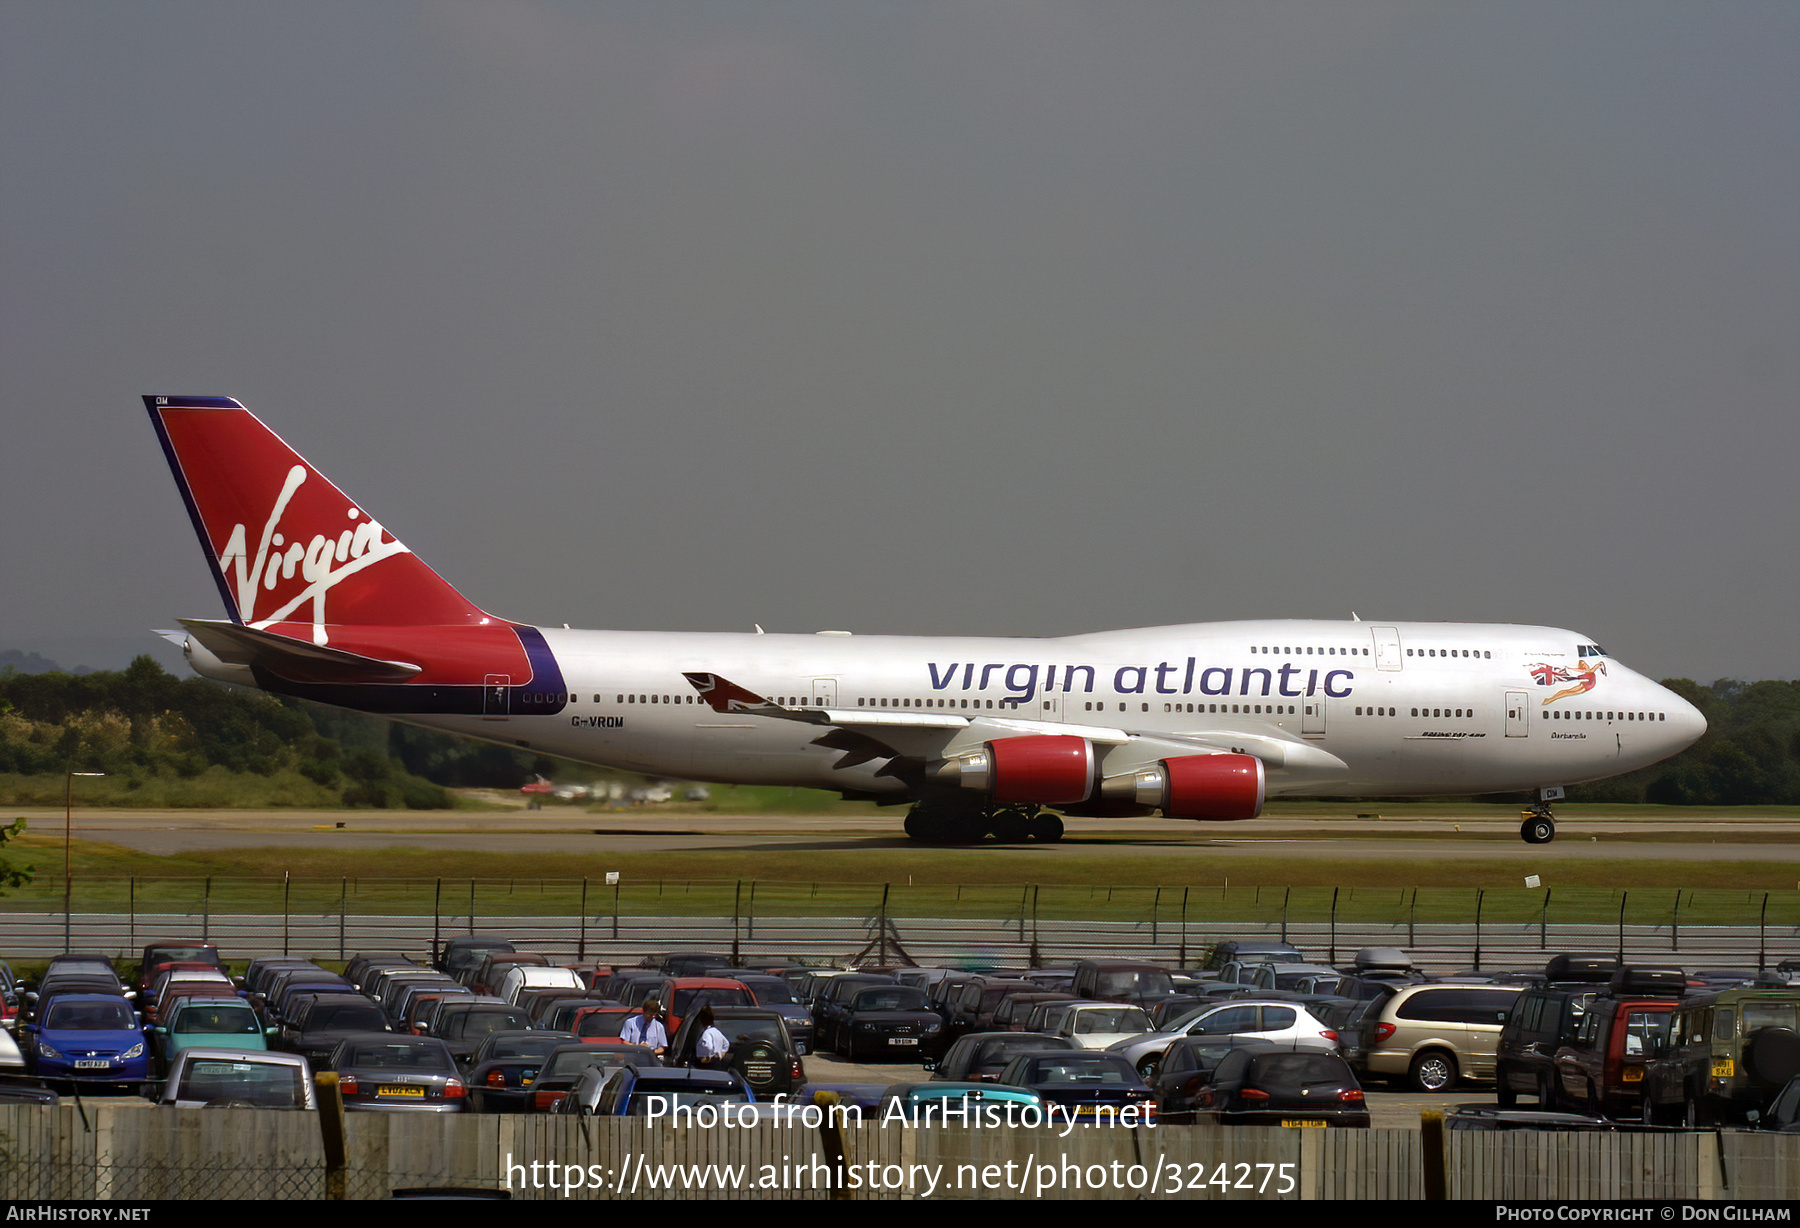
[(889, 998), (398, 1057), (570, 1062), (1112, 1019), (1769, 1015), (646, 1101), (476, 1024), (263, 1084), (347, 1018), (1134, 983), (90, 1017), (602, 1023), (690, 1000), (1075, 1068), (217, 1020)]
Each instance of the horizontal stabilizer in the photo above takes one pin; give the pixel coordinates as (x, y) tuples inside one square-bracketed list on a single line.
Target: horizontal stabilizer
[(294, 660)]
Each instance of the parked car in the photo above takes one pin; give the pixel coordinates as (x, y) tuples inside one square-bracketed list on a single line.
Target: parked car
[(1089, 1086), (394, 1073), (1727, 1054), (227, 1078), (762, 1050), (1601, 1070), (1276, 1087), (88, 1038), (1434, 1034)]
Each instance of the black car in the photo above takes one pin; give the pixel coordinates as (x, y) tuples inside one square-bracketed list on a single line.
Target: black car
[(885, 1019), (762, 1049), (1088, 1086), (980, 1056), (1282, 1087), (1187, 1068)]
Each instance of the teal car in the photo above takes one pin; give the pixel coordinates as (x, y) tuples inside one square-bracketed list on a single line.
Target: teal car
[(212, 1023)]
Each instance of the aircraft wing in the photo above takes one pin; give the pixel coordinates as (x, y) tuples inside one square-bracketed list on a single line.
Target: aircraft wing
[(882, 733)]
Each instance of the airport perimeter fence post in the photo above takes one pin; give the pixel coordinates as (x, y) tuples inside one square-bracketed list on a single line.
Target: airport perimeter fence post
[(581, 942), (1480, 897), (471, 906), (1181, 950), (1623, 896), (1412, 915), (1285, 894), (1544, 923), (131, 913), (1332, 958), (343, 909), (1155, 915), (206, 910), (737, 912), (1675, 924), (615, 912), (1762, 935), (437, 913)]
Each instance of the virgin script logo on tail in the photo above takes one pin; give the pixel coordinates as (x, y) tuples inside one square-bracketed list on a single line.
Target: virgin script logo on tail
[(322, 563)]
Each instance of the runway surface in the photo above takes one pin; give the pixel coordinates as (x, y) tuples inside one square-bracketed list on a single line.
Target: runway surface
[(1698, 837)]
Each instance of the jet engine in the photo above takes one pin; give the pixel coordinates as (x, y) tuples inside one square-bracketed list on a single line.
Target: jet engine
[(1045, 769), (1203, 786)]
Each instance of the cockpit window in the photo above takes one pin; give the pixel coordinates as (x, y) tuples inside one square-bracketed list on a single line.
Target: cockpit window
[(1590, 650)]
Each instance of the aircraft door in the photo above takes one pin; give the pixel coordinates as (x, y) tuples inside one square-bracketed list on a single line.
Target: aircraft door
[(493, 696), (1387, 648), (1049, 707), (1312, 716), (824, 693), (1518, 714)]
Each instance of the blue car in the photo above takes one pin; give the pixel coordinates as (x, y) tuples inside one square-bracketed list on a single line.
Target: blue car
[(91, 1037)]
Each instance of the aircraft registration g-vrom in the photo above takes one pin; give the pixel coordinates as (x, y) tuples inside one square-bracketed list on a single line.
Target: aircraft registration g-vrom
[(984, 737)]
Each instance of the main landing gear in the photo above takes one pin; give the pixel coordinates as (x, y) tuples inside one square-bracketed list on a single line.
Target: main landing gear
[(1539, 826), (947, 823)]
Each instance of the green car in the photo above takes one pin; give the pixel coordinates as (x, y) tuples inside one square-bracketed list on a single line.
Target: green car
[(1726, 1054), (212, 1023)]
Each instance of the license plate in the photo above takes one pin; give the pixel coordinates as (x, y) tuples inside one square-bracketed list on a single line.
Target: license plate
[(903, 1040), (416, 1093), (92, 1063), (1296, 1123), (1632, 1074), (1724, 1068)]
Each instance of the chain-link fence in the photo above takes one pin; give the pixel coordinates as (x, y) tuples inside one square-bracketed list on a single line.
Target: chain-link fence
[(588, 919)]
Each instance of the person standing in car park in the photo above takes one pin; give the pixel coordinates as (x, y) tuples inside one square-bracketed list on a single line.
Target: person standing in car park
[(646, 1028), (712, 1049)]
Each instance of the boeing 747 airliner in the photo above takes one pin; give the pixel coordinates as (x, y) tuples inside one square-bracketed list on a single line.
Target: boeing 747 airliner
[(983, 737)]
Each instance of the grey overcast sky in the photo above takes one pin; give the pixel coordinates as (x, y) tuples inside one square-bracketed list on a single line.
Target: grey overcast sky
[(978, 318)]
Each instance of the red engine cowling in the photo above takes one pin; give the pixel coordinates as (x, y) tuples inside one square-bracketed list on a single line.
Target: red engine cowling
[(1044, 769), (1220, 787)]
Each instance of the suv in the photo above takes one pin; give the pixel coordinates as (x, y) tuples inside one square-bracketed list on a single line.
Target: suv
[(1726, 1053), (1601, 1070), (1434, 1034), (1546, 1019)]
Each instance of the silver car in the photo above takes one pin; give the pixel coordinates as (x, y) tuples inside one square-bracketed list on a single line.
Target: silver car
[(1285, 1023), (233, 1078)]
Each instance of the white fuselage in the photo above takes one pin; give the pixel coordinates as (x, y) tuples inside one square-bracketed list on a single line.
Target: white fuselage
[(1332, 708)]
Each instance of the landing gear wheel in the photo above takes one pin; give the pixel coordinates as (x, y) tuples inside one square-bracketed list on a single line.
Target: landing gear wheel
[(1538, 829), (1010, 825), (1047, 828)]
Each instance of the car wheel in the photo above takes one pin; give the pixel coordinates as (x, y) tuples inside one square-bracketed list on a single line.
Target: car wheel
[(1147, 1067), (850, 1048), (1546, 1093), (1595, 1105), (1505, 1095), (1691, 1116), (1432, 1071), (1649, 1110)]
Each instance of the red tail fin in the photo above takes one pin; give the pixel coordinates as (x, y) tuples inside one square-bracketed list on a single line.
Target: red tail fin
[(291, 553)]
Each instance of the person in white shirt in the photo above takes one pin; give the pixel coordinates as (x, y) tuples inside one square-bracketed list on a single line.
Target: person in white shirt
[(713, 1049), (646, 1028)]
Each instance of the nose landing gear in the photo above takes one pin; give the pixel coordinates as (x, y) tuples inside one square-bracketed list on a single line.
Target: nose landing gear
[(1539, 826)]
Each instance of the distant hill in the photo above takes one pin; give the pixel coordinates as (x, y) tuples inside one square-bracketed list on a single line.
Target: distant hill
[(31, 663)]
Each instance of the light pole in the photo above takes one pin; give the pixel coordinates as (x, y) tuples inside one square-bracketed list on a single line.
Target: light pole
[(68, 830)]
